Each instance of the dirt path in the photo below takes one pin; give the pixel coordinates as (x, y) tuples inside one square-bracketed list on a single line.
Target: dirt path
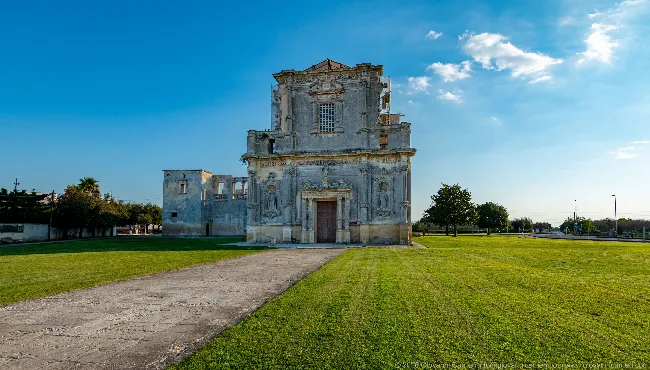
[(150, 322)]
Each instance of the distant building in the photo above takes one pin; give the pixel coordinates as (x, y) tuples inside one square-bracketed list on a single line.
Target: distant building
[(334, 168)]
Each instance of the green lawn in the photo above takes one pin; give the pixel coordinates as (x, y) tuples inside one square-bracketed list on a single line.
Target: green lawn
[(40, 270), (465, 300)]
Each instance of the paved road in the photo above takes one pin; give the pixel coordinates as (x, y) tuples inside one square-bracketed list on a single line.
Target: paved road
[(149, 322)]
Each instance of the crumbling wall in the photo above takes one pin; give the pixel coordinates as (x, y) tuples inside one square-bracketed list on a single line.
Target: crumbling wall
[(183, 191)]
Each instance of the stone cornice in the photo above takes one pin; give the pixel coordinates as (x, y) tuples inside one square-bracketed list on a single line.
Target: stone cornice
[(283, 75), (331, 155)]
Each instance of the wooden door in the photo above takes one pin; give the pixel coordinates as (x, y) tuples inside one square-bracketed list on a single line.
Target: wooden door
[(326, 222)]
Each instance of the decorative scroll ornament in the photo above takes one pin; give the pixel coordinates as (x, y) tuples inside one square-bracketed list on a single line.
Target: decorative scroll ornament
[(336, 185), (325, 86)]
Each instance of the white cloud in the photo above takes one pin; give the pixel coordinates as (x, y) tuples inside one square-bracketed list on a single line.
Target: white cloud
[(624, 8), (640, 142), (494, 119), (540, 79), (625, 153), (599, 44), (433, 35), (419, 84), (452, 72), (447, 95), (494, 51), (412, 103)]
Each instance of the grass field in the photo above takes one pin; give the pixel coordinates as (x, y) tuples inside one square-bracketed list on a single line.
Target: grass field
[(465, 300), (40, 270)]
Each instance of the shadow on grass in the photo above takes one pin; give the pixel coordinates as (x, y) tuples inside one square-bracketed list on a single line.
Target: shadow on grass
[(117, 244)]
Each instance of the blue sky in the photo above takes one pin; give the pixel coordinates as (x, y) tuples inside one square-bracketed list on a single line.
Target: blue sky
[(530, 104)]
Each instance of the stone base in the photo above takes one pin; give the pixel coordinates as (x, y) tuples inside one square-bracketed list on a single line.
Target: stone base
[(343, 236), (307, 237), (381, 234), (358, 234), (286, 234)]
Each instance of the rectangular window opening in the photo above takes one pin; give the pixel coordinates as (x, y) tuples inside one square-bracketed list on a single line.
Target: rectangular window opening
[(383, 141), (183, 189), (174, 214), (271, 146), (326, 117)]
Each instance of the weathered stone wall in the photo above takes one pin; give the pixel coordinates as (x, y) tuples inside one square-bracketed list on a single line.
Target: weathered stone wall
[(38, 233), (35, 232), (375, 187), (183, 210), (210, 206)]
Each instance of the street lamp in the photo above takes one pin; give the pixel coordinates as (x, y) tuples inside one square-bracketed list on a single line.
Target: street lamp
[(616, 218), (575, 216)]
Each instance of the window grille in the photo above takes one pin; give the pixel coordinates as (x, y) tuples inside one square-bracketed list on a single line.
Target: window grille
[(326, 121)]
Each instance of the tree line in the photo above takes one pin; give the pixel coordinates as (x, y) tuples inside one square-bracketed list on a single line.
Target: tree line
[(80, 206), (452, 206), (586, 225)]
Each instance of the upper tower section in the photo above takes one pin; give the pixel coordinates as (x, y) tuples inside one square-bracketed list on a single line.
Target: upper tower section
[(330, 107)]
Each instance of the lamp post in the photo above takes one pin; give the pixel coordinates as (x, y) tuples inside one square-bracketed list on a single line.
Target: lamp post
[(616, 218), (575, 216)]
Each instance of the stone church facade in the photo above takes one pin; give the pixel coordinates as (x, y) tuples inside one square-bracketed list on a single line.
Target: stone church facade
[(335, 167)]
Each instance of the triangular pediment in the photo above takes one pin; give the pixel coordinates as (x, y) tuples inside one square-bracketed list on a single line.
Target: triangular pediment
[(326, 65)]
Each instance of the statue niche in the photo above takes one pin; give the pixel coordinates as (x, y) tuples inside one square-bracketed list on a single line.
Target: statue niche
[(384, 199), (271, 199)]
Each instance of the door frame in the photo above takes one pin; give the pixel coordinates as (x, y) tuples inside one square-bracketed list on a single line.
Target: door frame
[(332, 235), (309, 212)]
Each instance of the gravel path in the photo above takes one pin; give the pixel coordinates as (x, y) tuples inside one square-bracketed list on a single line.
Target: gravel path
[(149, 322)]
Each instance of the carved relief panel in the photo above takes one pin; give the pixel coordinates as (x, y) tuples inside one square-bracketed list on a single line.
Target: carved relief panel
[(271, 197), (384, 198)]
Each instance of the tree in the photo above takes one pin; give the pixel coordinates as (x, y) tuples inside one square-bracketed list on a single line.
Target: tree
[(492, 216), (451, 206), (23, 207), (584, 225), (541, 226), (90, 185), (422, 226), (74, 209), (523, 224), (155, 212), (82, 206)]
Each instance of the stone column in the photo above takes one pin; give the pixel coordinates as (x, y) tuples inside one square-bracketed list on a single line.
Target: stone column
[(289, 125), (405, 185), (346, 221), (303, 213), (311, 213), (339, 213), (284, 106), (338, 125), (314, 115)]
